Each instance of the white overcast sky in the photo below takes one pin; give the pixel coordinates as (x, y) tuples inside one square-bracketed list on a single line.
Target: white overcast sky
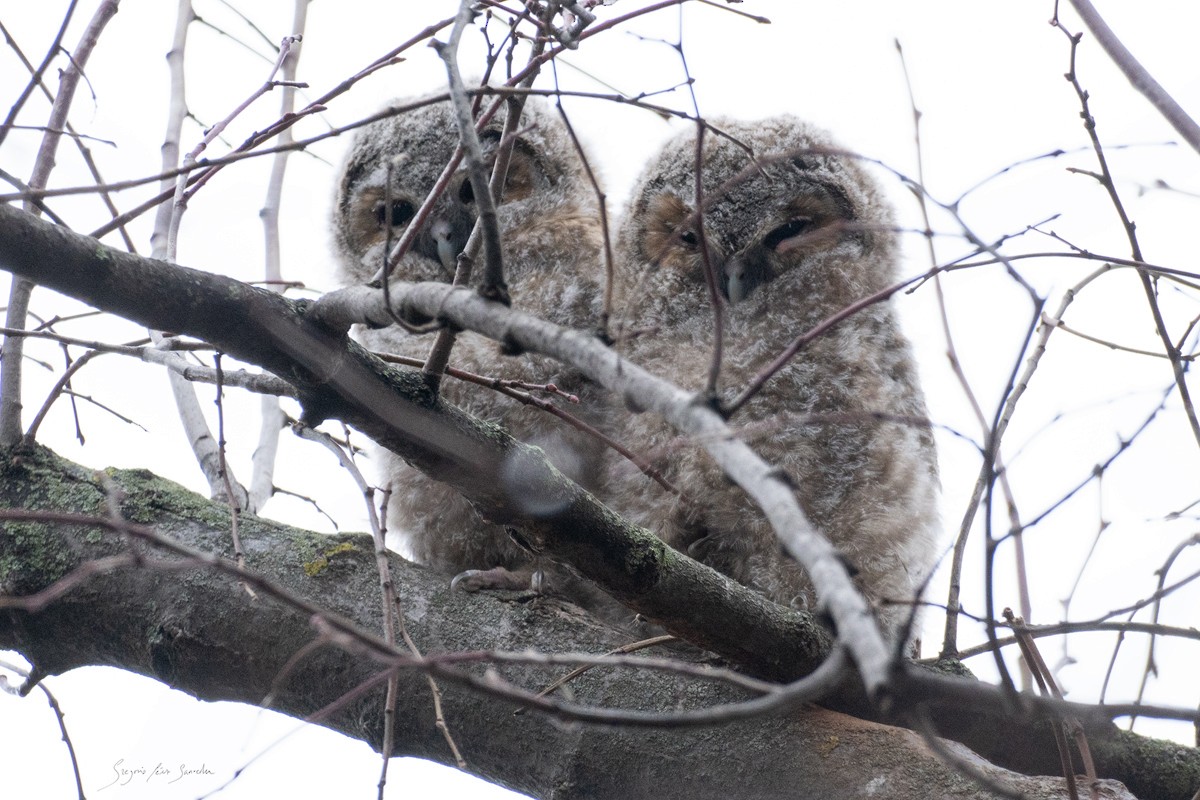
[(988, 78)]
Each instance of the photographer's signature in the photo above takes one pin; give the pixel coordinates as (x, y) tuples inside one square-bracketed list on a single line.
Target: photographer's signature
[(124, 774)]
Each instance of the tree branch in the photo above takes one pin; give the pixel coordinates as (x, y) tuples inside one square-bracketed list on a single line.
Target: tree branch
[(237, 648), (1141, 79)]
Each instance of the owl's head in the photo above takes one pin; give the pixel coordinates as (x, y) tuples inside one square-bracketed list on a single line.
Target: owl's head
[(779, 199), (394, 163)]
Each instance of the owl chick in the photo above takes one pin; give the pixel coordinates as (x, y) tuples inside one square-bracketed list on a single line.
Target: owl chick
[(794, 231), (552, 247)]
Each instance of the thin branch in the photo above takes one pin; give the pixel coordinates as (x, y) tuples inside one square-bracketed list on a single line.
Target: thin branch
[(949, 642), (1046, 684), (1141, 79), (31, 434), (507, 388), (388, 59), (262, 464), (258, 138), (209, 456), (1106, 180), (387, 587), (84, 152), (27, 193), (21, 290), (921, 723), (493, 285), (1063, 628), (35, 78)]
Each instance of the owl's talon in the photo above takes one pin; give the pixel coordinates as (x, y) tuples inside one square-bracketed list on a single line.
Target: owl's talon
[(496, 578)]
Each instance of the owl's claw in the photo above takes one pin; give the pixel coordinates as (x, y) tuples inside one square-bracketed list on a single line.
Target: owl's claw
[(474, 580)]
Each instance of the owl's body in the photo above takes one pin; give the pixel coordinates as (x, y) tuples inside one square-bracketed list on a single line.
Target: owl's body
[(792, 241), (550, 230)]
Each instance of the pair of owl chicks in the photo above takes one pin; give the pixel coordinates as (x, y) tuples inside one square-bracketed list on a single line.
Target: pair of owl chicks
[(791, 231)]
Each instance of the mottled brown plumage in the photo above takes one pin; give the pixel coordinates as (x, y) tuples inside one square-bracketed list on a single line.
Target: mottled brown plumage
[(549, 224), (794, 233)]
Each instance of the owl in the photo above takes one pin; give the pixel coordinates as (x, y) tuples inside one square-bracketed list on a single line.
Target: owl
[(793, 232), (552, 248)]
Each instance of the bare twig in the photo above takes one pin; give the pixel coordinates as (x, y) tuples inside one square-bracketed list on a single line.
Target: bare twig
[(632, 647), (393, 616), (922, 724), (35, 78), (601, 205), (316, 106), (84, 152), (31, 434), (262, 483), (493, 285), (58, 715), (209, 456), (949, 643), (28, 193), (22, 289), (1141, 79), (392, 57), (236, 500), (259, 383), (184, 192), (1047, 685), (1063, 628), (1106, 180), (1163, 571), (507, 388)]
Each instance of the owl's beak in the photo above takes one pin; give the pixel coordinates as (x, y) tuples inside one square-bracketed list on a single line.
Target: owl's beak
[(446, 249), (447, 229), (742, 274), (732, 284)]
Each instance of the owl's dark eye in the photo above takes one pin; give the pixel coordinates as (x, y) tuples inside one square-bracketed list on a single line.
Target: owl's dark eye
[(401, 212), (689, 238), (466, 194), (788, 230)]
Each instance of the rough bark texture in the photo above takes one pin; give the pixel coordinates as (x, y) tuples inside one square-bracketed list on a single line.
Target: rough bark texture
[(197, 629)]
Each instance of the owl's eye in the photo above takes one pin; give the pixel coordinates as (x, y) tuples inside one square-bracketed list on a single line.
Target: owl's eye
[(520, 181), (788, 230), (401, 212), (689, 238), (466, 194)]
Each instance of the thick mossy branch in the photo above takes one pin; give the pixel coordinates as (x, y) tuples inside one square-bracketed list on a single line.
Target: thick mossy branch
[(197, 628)]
